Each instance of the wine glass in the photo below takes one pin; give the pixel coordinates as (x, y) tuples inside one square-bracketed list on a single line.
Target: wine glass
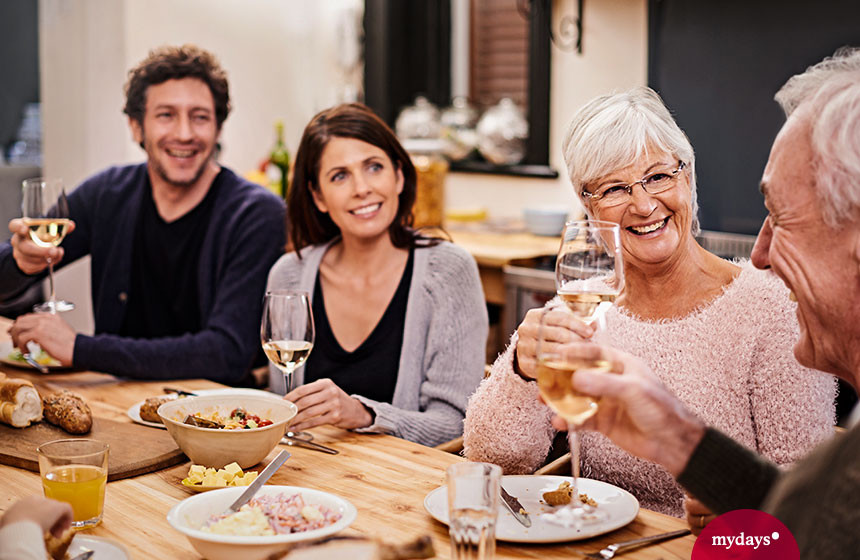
[(45, 211), (287, 330), (589, 277)]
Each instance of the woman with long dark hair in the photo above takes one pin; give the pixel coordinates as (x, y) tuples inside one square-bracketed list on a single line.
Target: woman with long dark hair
[(400, 317)]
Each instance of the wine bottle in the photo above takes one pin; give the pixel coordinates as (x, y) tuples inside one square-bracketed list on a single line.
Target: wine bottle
[(278, 164)]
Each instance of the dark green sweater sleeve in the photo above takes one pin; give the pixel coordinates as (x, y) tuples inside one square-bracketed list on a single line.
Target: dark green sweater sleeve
[(724, 475)]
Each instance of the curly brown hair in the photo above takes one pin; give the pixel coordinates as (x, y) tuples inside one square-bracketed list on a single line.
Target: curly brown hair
[(173, 63)]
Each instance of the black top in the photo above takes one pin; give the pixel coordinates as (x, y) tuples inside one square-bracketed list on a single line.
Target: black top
[(371, 369), (163, 299)]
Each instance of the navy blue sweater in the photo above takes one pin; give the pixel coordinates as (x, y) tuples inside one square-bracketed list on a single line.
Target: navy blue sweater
[(247, 235)]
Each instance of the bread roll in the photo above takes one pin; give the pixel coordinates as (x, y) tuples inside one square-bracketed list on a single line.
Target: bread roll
[(149, 409), (68, 411), (20, 403)]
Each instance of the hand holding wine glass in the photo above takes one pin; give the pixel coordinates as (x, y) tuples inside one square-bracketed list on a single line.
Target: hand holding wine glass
[(589, 277), (45, 214), (287, 330)]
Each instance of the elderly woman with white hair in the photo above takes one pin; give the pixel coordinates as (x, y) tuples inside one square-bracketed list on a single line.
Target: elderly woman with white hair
[(718, 333)]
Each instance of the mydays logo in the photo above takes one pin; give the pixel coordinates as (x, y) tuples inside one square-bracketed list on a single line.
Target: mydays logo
[(743, 540), (745, 534)]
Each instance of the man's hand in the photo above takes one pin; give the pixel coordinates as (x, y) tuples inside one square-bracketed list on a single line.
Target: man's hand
[(636, 410), (50, 515), (29, 257), (698, 516), (560, 327), (323, 402), (49, 331)]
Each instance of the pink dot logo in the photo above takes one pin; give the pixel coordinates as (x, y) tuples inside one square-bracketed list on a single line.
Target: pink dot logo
[(745, 534)]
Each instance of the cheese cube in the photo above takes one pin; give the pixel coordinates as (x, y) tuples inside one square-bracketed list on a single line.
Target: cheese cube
[(311, 513), (197, 469), (225, 475), (195, 478), (249, 478), (234, 469), (210, 480), (220, 481)]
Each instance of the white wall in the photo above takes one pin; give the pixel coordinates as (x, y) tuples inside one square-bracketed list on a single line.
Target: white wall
[(615, 56), (282, 60)]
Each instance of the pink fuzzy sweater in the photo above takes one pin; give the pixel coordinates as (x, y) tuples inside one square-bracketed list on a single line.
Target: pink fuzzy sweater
[(731, 362)]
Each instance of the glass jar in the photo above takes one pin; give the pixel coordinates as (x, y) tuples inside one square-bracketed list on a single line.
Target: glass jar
[(458, 129), (431, 169), (502, 133), (420, 120)]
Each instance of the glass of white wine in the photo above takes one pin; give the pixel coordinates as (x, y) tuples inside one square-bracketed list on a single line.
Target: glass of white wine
[(45, 211), (287, 330), (589, 277)]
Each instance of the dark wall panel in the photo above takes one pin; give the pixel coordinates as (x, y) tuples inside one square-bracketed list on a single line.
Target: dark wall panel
[(717, 64), (19, 63)]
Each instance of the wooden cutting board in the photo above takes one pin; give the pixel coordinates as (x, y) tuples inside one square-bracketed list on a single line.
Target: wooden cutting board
[(134, 449)]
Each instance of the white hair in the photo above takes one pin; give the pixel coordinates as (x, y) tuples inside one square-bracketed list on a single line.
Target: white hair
[(830, 94), (612, 131)]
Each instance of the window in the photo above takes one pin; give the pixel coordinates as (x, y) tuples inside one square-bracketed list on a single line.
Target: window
[(408, 52)]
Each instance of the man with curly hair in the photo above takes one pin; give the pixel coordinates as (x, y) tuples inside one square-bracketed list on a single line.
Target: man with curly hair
[(180, 245)]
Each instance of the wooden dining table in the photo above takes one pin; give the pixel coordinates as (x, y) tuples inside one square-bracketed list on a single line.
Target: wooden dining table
[(385, 477)]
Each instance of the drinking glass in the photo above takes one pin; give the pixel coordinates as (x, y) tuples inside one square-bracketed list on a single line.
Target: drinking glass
[(75, 471), (589, 277), (45, 211), (473, 506), (287, 330)]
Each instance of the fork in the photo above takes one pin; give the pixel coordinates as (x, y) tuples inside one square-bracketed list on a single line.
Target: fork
[(617, 548), (33, 349)]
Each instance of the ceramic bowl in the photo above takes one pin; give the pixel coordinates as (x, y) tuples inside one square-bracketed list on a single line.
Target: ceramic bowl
[(545, 221), (217, 448), (189, 515)]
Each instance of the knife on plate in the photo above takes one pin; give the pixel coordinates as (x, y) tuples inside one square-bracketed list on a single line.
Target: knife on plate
[(515, 507), (267, 473), (179, 392)]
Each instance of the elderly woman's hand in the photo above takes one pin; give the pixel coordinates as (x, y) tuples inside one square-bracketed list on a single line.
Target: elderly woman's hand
[(560, 327), (323, 402)]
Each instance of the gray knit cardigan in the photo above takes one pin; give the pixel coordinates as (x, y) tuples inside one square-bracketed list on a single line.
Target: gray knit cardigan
[(444, 341)]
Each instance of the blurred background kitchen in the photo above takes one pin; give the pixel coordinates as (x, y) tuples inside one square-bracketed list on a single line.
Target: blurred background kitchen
[(717, 64)]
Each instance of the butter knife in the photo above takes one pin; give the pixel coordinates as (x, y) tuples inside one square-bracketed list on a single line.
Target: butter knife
[(515, 507), (267, 473)]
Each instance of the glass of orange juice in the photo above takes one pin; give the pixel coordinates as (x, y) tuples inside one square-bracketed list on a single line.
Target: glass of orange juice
[(75, 471)]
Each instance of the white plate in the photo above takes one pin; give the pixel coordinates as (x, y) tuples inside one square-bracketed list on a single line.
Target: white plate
[(619, 507), (105, 549), (6, 349), (134, 410)]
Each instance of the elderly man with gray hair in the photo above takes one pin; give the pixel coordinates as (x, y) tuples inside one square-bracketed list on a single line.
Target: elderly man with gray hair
[(811, 241)]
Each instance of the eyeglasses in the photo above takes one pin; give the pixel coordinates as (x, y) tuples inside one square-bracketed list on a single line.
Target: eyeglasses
[(616, 194)]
